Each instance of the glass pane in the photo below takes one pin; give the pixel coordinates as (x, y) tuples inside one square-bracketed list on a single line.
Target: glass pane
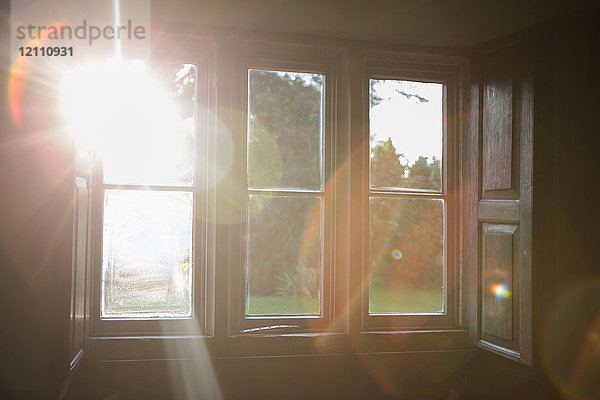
[(406, 256), (146, 257), (406, 134), (285, 130), (285, 256), (151, 134)]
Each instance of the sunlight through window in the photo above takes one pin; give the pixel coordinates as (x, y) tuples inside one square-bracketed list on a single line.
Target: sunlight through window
[(139, 119), (285, 178), (406, 230)]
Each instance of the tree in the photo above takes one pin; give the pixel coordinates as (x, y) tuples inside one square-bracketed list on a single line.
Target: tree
[(411, 227), (424, 175), (386, 169), (285, 118), (285, 130), (284, 149)]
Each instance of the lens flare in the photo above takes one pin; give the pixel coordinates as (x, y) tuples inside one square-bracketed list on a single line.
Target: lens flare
[(570, 342), (500, 290), (20, 71), (396, 254)]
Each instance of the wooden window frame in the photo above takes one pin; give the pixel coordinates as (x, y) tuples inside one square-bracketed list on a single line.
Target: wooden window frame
[(303, 59), (221, 326), (200, 322), (400, 69)]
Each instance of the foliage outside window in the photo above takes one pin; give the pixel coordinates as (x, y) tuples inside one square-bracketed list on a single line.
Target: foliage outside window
[(285, 179)]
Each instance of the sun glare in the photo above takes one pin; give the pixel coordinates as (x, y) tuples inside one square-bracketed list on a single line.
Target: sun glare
[(500, 290), (121, 112)]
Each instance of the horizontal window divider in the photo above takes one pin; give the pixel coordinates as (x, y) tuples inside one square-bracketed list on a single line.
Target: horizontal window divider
[(400, 315), (286, 192), (154, 188), (411, 75), (128, 318), (417, 195), (282, 317)]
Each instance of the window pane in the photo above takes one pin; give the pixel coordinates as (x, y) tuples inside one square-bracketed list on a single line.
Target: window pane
[(285, 256), (285, 130), (406, 251), (406, 134), (146, 258), (150, 135)]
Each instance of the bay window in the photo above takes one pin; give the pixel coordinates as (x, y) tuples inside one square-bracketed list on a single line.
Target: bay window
[(230, 203)]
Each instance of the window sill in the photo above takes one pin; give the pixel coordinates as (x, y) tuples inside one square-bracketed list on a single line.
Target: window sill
[(265, 345)]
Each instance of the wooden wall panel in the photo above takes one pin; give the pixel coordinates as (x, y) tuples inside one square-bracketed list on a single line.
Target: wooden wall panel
[(498, 269), (504, 132), (498, 120)]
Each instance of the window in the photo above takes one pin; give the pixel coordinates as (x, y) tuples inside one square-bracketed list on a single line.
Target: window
[(285, 250), (407, 209), (150, 195), (410, 269), (264, 214), (287, 271)]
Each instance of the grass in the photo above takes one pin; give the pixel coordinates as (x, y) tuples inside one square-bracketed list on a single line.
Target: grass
[(382, 300)]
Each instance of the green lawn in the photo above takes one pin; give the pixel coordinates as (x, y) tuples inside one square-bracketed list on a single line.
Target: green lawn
[(405, 301), (381, 301)]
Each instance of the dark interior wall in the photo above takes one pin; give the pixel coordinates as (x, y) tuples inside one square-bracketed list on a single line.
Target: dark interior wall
[(458, 23), (23, 314), (35, 227), (572, 319), (416, 375), (576, 133), (34, 200)]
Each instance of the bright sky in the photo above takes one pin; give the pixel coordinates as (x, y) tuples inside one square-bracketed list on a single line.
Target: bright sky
[(414, 126)]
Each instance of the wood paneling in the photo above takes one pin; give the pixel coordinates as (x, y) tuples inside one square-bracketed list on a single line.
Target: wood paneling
[(413, 375), (504, 132), (499, 210), (498, 120), (497, 269)]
